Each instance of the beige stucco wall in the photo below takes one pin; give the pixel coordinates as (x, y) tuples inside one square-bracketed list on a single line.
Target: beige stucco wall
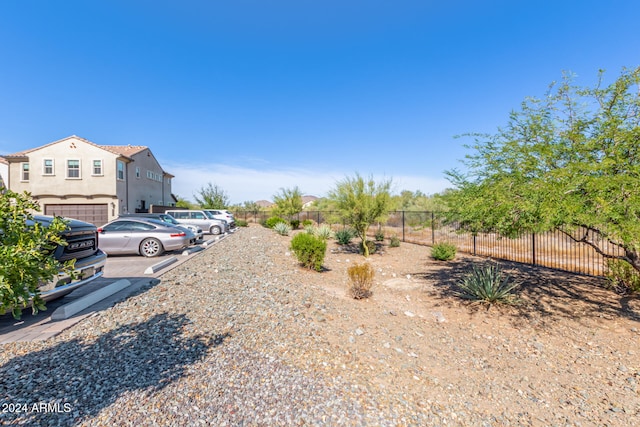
[(143, 188)]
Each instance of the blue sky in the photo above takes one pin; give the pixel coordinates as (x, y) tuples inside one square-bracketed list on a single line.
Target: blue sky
[(255, 95)]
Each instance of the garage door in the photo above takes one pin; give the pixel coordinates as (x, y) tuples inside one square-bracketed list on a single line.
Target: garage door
[(96, 214)]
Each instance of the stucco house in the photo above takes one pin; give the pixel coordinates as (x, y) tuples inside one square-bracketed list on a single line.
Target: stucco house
[(76, 178)]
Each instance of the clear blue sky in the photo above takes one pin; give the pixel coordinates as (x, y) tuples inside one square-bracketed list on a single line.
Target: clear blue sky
[(258, 95)]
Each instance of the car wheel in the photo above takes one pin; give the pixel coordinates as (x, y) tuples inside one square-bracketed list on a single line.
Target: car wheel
[(151, 247), (215, 230)]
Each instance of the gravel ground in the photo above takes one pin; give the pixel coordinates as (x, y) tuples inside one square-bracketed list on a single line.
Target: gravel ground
[(240, 335)]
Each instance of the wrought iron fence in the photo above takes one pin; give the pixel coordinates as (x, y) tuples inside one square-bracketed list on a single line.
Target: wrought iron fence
[(554, 249)]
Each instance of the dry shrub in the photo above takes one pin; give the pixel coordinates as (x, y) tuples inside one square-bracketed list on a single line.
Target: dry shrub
[(361, 280)]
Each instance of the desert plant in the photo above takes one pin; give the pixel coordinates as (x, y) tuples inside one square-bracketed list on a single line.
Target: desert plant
[(360, 280), (324, 231), (282, 228), (241, 223), (486, 283), (622, 277), (379, 236), (310, 229), (345, 235), (295, 223), (307, 222), (271, 222), (370, 247), (443, 251), (394, 241), (309, 250)]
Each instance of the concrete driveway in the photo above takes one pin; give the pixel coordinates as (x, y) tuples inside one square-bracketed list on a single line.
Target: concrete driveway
[(138, 271)]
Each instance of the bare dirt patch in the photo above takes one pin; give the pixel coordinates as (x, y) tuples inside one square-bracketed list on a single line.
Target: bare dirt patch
[(566, 352)]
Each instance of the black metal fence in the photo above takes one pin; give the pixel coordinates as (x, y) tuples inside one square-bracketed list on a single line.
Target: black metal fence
[(554, 249)]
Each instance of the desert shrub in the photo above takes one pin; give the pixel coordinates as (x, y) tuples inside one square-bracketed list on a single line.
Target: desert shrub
[(360, 280), (295, 223), (307, 222), (271, 222), (324, 231), (309, 250), (310, 229), (241, 223), (371, 245), (345, 235), (394, 241), (486, 283), (379, 236), (282, 228), (444, 251), (622, 277)]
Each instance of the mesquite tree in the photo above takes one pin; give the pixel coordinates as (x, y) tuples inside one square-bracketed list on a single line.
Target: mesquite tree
[(569, 161)]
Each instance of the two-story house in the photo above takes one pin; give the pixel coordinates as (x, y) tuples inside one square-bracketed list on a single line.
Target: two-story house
[(76, 178)]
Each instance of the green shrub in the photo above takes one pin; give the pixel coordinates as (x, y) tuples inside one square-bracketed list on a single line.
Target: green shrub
[(622, 277), (379, 236), (295, 223), (282, 228), (309, 250), (271, 222), (241, 223), (371, 245), (444, 251), (486, 283), (360, 280), (345, 235), (394, 242), (307, 222), (310, 229)]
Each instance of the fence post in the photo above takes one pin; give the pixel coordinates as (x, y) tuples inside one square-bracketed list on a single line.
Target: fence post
[(533, 248), (433, 228), (474, 243), (403, 226)]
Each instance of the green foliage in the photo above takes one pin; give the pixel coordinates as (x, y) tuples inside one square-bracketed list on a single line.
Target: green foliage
[(310, 229), (309, 250), (184, 203), (360, 280), (212, 197), (306, 223), (368, 248), (379, 236), (486, 283), (324, 231), (241, 223), (622, 277), (271, 222), (288, 202), (361, 203), (570, 160), (443, 251), (282, 228), (26, 253), (394, 241), (345, 235), (294, 224), (418, 201)]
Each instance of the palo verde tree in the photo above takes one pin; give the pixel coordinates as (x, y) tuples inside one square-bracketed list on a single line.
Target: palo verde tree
[(212, 197), (362, 202), (26, 253), (569, 161), (288, 202)]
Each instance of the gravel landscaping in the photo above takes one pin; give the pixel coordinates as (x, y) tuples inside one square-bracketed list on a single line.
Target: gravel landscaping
[(241, 335)]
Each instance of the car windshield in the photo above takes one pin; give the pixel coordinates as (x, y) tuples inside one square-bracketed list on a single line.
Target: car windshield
[(169, 219), (209, 215)]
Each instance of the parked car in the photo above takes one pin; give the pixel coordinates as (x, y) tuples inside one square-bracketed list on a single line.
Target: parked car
[(201, 218), (146, 237), (224, 216), (82, 245), (197, 231)]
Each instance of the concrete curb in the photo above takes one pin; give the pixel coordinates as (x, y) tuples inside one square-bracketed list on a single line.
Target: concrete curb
[(68, 310), (192, 250), (160, 265)]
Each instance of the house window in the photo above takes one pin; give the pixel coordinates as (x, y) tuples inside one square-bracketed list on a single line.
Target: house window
[(120, 166), (97, 167), (47, 167), (137, 172), (73, 168), (25, 171)]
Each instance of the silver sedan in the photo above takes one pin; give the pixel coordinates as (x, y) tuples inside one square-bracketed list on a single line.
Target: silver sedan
[(147, 237)]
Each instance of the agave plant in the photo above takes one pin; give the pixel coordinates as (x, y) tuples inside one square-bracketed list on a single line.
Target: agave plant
[(324, 232), (282, 228), (486, 283)]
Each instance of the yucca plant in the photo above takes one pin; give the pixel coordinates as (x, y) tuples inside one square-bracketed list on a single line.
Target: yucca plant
[(345, 235), (310, 229), (486, 283), (324, 232), (282, 228)]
